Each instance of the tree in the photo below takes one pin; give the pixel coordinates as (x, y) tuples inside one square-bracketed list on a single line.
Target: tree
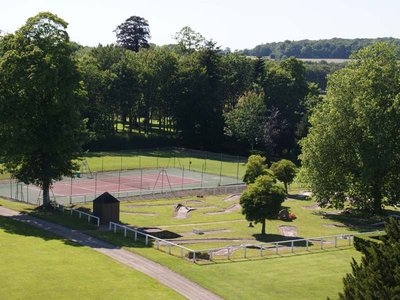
[(262, 200), (246, 121), (255, 167), (285, 171), (378, 274), (41, 130), (133, 34), (351, 151), (189, 40)]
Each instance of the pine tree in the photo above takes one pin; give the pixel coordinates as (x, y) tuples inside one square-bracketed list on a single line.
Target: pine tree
[(378, 274)]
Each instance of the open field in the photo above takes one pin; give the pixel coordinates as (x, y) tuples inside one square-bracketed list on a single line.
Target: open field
[(275, 277), (43, 266)]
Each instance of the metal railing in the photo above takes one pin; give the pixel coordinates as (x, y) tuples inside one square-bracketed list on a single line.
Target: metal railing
[(251, 250), (159, 243), (79, 212)]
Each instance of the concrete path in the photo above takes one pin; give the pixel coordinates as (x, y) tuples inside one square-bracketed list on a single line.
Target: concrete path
[(164, 275)]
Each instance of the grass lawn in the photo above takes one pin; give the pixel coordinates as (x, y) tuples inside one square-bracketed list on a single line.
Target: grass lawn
[(38, 265), (312, 276)]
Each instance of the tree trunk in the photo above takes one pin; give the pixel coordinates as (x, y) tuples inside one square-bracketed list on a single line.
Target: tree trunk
[(377, 199), (263, 227), (46, 194), (286, 189)]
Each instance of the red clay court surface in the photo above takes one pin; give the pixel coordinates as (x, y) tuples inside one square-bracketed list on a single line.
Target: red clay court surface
[(114, 184)]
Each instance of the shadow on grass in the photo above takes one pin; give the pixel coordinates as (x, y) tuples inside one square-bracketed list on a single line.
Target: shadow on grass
[(271, 238), (357, 220), (20, 226)]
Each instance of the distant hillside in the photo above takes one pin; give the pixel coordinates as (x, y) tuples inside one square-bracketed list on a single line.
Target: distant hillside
[(332, 48)]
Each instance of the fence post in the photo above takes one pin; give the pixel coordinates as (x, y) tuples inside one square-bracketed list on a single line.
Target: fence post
[(322, 244), (124, 231), (194, 256), (158, 244), (306, 245), (109, 226), (147, 239), (115, 228), (95, 185), (237, 170), (135, 235), (229, 252), (292, 245), (261, 250), (276, 249), (349, 240), (181, 252), (335, 241)]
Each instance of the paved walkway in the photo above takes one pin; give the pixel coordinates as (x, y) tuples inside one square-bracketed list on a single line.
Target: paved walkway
[(164, 275)]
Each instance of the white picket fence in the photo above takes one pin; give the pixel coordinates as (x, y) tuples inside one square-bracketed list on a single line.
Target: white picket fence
[(150, 238), (306, 245), (80, 213)]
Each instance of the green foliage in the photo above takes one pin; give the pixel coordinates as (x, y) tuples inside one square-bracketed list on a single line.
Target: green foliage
[(285, 90), (378, 274), (41, 98), (247, 120), (362, 242), (351, 151), (285, 171), (332, 48), (133, 34), (262, 200), (255, 167)]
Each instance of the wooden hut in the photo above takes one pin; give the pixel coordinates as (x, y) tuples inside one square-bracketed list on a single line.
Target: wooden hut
[(106, 207)]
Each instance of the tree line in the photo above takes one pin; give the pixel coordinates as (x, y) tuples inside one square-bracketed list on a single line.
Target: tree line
[(190, 91), (326, 48)]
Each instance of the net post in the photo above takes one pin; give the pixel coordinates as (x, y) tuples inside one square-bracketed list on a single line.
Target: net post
[(183, 175), (237, 170), (220, 171), (70, 194), (119, 181), (95, 185)]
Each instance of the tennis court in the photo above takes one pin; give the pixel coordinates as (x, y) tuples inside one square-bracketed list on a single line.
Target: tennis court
[(122, 184)]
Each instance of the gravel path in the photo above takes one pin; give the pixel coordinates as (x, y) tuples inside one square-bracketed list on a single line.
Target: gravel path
[(164, 275)]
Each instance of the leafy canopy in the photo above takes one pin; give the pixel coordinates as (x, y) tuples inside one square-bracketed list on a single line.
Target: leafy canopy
[(247, 120), (262, 200), (352, 149), (255, 167), (41, 129), (133, 34), (285, 171)]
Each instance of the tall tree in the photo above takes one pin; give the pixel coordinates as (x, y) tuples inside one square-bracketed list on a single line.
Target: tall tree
[(352, 150), (133, 34), (41, 129), (285, 90), (262, 200), (247, 120)]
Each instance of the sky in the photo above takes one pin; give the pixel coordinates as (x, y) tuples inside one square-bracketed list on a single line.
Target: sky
[(231, 23)]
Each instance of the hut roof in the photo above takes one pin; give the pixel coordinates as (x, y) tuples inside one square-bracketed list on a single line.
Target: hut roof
[(106, 198)]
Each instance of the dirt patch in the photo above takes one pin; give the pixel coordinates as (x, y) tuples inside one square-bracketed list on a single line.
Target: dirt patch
[(194, 202), (311, 207), (232, 198), (288, 230), (149, 214), (232, 208)]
